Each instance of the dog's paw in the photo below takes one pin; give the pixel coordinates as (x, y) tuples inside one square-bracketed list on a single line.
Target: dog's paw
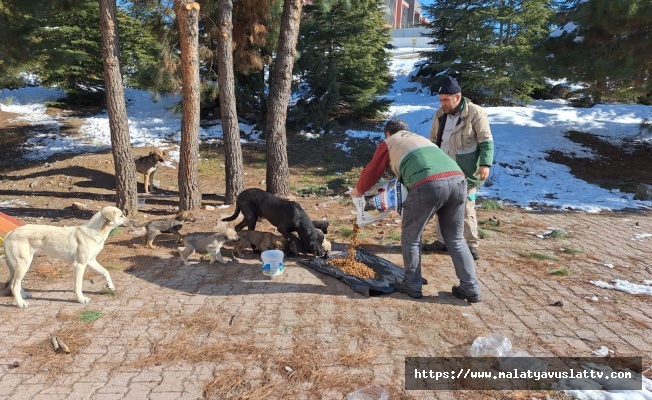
[(111, 287), (84, 300), (21, 303), (224, 262)]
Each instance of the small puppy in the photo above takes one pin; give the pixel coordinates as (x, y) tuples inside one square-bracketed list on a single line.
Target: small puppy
[(260, 240), (207, 242), (327, 247), (321, 225), (294, 250), (147, 166), (167, 225)]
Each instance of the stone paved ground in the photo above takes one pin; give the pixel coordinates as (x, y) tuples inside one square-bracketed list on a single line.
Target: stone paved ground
[(227, 331)]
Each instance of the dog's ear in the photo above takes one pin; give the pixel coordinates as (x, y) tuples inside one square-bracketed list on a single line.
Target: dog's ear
[(113, 215)]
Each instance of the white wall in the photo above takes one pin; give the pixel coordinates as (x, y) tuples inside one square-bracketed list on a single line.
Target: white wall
[(402, 38)]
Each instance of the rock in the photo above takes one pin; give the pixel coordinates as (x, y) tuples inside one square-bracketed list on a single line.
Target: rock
[(209, 208), (79, 206), (643, 192)]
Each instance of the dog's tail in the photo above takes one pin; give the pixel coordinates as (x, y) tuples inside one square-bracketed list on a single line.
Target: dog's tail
[(234, 216)]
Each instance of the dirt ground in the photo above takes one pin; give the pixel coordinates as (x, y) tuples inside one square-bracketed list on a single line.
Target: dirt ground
[(227, 331)]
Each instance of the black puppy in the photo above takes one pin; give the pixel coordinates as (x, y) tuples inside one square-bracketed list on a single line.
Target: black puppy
[(287, 216), (321, 225)]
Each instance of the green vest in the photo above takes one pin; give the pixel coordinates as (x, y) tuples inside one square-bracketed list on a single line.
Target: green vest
[(413, 158)]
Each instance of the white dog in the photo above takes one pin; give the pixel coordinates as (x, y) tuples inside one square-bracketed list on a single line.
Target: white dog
[(77, 244), (207, 242)]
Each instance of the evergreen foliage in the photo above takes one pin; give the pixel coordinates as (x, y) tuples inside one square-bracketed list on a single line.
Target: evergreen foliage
[(604, 45), (18, 20), (255, 34), (67, 53), (343, 62), (489, 48), (69, 43), (148, 60)]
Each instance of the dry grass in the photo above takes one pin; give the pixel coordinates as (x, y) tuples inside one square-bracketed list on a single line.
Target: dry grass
[(187, 347), (305, 371), (49, 271), (192, 342), (304, 368), (42, 357)]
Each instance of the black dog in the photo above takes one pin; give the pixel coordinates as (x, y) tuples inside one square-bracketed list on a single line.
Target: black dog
[(287, 216)]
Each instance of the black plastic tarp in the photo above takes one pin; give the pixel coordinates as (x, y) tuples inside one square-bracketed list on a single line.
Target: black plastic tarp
[(387, 273)]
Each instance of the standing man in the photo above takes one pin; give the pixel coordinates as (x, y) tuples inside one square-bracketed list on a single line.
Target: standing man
[(436, 185), (461, 129)]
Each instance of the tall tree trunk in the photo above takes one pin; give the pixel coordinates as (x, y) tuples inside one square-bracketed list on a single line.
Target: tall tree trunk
[(278, 176), (226, 80), (187, 18), (125, 169)]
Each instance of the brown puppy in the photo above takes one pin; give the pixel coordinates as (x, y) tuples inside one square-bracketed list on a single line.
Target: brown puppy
[(167, 225), (260, 240), (147, 166), (207, 242)]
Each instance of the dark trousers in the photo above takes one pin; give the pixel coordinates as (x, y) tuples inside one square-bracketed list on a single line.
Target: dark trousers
[(445, 197)]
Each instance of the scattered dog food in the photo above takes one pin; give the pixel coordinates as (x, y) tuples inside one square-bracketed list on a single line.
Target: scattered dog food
[(349, 265)]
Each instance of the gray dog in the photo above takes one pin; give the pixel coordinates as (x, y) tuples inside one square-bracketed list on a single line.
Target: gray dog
[(207, 242), (166, 225)]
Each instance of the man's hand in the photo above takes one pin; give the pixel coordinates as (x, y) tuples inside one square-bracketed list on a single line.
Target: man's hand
[(482, 172), (355, 193)]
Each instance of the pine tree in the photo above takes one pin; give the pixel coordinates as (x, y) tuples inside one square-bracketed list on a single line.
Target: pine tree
[(254, 37), (125, 170), (71, 49), (149, 61), (489, 48), (256, 28), (277, 179), (231, 131), (187, 20), (18, 20), (66, 48), (343, 62), (604, 45)]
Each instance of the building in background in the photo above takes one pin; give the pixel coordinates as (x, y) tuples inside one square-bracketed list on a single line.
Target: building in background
[(403, 14), (405, 19)]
